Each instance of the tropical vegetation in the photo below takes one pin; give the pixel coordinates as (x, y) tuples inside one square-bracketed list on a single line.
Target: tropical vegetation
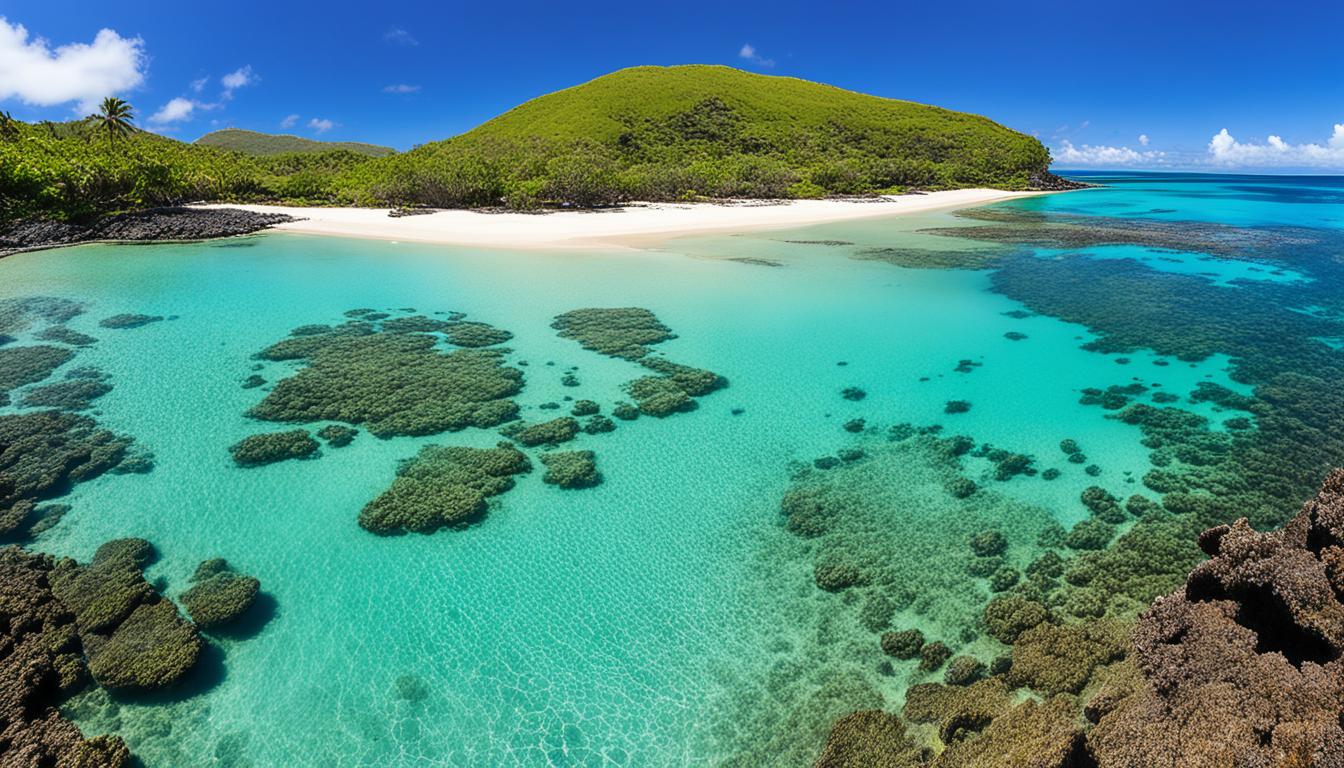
[(263, 144), (647, 133)]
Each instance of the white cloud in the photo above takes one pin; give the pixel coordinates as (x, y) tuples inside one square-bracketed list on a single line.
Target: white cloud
[(321, 125), (399, 36), (35, 73), (748, 52), (401, 88), (1143, 139), (174, 111), (199, 84), (1226, 151), (1067, 154), (290, 121), (236, 79)]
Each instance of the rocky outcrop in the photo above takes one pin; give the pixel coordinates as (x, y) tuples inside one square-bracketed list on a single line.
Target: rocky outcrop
[(1242, 666), (41, 662), (1045, 181), (140, 226)]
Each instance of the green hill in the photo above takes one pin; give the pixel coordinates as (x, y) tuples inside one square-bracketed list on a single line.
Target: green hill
[(263, 144), (661, 133)]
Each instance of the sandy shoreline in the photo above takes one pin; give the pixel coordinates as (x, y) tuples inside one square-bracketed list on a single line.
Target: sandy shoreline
[(642, 225)]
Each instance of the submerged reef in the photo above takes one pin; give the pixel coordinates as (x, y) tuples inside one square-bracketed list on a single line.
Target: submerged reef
[(393, 383), (134, 638), (470, 334), (552, 432), (928, 258), (571, 469), (43, 454), (75, 393), (627, 333), (869, 584), (41, 665), (128, 320), (270, 447), (337, 435), (218, 595), (20, 366), (443, 487)]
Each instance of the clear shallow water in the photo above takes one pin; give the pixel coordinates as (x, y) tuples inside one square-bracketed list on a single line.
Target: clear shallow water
[(617, 625)]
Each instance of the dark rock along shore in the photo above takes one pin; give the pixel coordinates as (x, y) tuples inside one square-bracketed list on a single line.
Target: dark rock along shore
[(170, 224)]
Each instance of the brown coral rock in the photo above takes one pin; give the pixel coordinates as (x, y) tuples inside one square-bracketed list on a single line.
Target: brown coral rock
[(39, 662), (869, 738), (1242, 666)]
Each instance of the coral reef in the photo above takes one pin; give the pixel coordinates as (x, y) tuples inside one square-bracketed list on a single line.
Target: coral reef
[(128, 320), (571, 469), (41, 664), (20, 366), (73, 394), (472, 334), (552, 432), (63, 335), (43, 454), (218, 595), (625, 332), (443, 487), (337, 435), (1243, 664), (133, 638), (392, 383), (270, 447)]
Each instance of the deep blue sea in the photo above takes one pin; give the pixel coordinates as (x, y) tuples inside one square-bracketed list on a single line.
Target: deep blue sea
[(669, 616)]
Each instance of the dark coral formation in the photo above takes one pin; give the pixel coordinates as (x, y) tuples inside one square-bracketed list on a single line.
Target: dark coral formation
[(133, 638), (625, 332), (73, 394), (394, 383), (219, 595), (19, 314), (20, 366), (1243, 665), (571, 469), (337, 435), (628, 333), (553, 432), (43, 454), (63, 335), (41, 662), (443, 487), (128, 320), (270, 447), (472, 334)]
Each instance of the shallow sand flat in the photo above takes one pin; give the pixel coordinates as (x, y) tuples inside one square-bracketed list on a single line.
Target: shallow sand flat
[(638, 225)]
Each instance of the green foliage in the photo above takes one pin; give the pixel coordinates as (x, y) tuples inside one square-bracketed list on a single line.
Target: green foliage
[(646, 133), (268, 144), (675, 133)]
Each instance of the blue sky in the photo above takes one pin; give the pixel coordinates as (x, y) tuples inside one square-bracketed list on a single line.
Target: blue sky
[(1134, 84)]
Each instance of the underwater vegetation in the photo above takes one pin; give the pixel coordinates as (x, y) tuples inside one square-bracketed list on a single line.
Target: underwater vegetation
[(77, 393), (270, 447), (391, 382), (128, 320), (219, 595), (571, 469), (443, 487), (1238, 666)]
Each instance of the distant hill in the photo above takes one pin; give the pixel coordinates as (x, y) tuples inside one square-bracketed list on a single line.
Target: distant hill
[(661, 133), (262, 144)]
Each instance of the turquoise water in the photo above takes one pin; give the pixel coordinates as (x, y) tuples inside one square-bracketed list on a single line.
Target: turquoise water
[(624, 624)]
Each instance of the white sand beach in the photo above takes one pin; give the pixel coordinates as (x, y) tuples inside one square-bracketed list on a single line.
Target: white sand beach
[(637, 225)]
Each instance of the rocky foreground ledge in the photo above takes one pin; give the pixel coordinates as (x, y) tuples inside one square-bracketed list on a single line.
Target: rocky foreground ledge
[(1243, 666), (157, 224)]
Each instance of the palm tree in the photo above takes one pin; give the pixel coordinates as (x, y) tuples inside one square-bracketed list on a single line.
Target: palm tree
[(114, 116)]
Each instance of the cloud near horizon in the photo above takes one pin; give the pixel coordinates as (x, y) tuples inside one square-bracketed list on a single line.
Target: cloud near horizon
[(1066, 153), (321, 125), (289, 122), (1226, 151), (749, 52), (37, 74)]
